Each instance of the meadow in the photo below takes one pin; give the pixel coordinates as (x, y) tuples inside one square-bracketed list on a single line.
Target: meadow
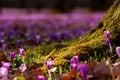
[(25, 38)]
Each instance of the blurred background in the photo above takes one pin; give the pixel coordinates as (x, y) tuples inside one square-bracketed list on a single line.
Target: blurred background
[(59, 5), (26, 23)]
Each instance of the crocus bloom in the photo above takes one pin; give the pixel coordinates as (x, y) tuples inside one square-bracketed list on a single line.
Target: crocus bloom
[(19, 42), (118, 51), (3, 73), (41, 77), (107, 42), (74, 62), (49, 63), (107, 34), (73, 65), (75, 59), (21, 51), (2, 41), (83, 71), (11, 55), (4, 46), (6, 64), (37, 37), (23, 67), (4, 70), (65, 36)]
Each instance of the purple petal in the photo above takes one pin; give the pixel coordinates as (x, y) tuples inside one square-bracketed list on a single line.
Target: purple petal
[(107, 34), (6, 64), (83, 71), (107, 42), (73, 66), (21, 51), (11, 55), (49, 63), (118, 51), (4, 46), (23, 67), (40, 77), (3, 72)]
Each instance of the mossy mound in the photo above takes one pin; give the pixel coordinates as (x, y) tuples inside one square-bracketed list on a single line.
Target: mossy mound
[(37, 54), (87, 45)]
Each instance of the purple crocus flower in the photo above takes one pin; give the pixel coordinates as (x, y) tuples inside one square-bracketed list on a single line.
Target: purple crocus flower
[(118, 51), (73, 65), (23, 67), (27, 35), (74, 62), (2, 34), (6, 64), (19, 42), (76, 32), (65, 36), (11, 55), (41, 77), (107, 34), (2, 41), (21, 51), (83, 71), (53, 37), (37, 39), (4, 70), (49, 63), (3, 73), (76, 59), (4, 46), (107, 42)]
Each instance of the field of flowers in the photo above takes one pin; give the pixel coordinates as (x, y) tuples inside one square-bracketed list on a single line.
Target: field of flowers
[(22, 31)]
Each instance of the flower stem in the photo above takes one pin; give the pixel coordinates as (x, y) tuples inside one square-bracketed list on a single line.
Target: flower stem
[(50, 76), (111, 51)]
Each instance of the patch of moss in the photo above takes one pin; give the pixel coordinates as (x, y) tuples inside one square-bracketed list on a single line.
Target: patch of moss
[(37, 54), (91, 42)]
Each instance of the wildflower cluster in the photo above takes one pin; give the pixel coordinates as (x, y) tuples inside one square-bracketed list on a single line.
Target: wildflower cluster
[(12, 63), (4, 70)]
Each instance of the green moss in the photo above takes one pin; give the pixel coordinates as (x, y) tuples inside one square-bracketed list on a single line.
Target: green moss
[(87, 45), (37, 54)]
